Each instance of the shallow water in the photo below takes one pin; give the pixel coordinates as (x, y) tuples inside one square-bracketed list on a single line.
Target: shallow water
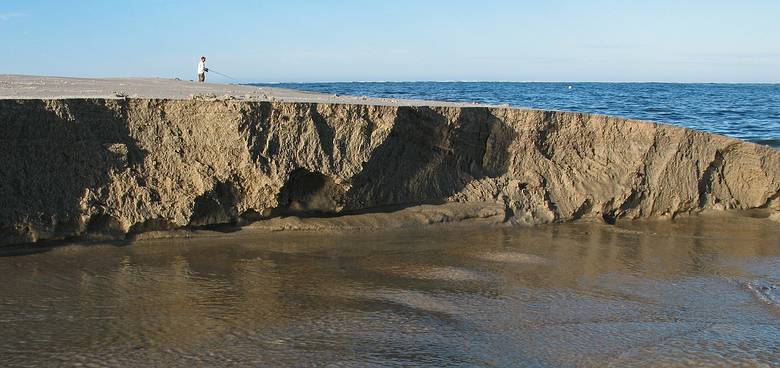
[(745, 111), (691, 292)]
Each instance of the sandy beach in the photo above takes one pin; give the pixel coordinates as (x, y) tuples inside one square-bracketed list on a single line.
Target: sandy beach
[(44, 87), (559, 184)]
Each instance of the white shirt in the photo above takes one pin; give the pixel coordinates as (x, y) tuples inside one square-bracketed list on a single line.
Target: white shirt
[(202, 67)]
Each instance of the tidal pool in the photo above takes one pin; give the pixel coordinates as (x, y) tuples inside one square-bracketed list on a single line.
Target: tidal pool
[(691, 292)]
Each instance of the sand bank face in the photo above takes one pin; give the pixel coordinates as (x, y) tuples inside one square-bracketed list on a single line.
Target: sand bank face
[(131, 165)]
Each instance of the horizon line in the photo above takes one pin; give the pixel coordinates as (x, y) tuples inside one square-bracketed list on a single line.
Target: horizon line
[(505, 81), (238, 81)]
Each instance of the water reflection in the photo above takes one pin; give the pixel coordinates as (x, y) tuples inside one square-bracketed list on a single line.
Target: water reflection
[(641, 293)]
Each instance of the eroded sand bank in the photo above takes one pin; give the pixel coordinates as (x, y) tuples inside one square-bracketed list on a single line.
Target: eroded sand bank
[(110, 166)]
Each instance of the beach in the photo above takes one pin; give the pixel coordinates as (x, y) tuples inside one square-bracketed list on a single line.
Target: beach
[(560, 184), (43, 87), (164, 222)]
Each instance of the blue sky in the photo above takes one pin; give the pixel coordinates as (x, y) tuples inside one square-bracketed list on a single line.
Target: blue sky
[(322, 40)]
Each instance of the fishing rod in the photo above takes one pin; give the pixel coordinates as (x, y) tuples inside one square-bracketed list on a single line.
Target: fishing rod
[(224, 75)]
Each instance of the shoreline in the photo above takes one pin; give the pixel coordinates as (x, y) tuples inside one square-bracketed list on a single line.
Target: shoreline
[(311, 231)]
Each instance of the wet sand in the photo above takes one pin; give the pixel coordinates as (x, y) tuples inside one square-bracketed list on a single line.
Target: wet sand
[(690, 292)]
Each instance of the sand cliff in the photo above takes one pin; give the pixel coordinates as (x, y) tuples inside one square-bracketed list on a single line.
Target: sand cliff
[(117, 166)]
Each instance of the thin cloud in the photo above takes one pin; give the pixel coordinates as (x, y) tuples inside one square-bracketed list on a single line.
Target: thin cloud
[(8, 16)]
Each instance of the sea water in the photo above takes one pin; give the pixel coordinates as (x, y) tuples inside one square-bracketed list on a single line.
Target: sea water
[(745, 111), (690, 292)]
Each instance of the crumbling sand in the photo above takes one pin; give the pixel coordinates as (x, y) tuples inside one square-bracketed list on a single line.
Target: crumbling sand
[(129, 165)]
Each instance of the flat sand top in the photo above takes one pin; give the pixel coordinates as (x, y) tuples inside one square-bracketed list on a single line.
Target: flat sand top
[(40, 87)]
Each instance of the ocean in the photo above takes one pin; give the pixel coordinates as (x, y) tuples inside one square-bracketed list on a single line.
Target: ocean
[(746, 111)]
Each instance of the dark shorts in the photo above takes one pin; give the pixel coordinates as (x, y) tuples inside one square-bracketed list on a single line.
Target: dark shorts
[(202, 77)]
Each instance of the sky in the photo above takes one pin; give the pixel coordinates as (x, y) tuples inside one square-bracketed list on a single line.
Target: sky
[(396, 40)]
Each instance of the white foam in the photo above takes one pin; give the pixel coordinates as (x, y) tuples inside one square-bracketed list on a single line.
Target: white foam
[(766, 291)]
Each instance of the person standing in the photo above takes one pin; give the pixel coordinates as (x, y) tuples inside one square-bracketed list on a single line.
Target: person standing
[(202, 69)]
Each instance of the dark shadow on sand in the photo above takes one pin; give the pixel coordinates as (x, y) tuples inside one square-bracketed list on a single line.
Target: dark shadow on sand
[(426, 159), (56, 151)]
